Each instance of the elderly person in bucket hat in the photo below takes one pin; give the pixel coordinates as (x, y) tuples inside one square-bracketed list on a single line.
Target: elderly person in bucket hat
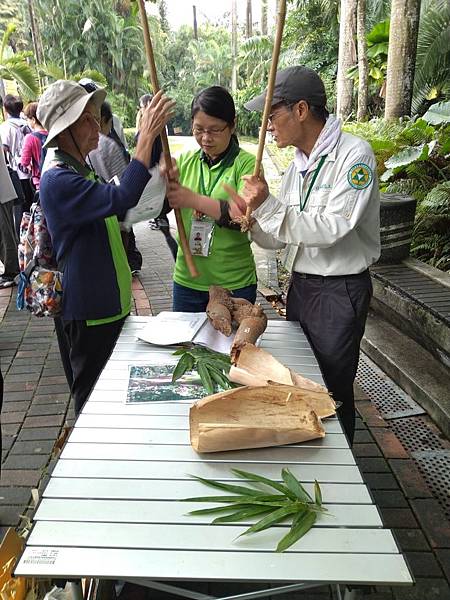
[(82, 217)]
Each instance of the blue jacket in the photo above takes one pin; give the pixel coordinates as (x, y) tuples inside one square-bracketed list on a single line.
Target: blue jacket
[(75, 209)]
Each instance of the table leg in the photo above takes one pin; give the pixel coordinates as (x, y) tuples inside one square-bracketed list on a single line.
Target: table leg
[(75, 587)]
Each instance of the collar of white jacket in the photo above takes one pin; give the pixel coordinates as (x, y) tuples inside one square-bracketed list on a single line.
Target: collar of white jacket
[(325, 143)]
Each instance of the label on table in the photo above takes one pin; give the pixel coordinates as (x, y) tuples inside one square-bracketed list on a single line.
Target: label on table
[(41, 556)]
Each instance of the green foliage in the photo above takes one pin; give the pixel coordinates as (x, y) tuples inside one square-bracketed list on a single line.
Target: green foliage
[(292, 503), (212, 367), (14, 66), (438, 113), (83, 36), (413, 159), (431, 239), (431, 81), (377, 52)]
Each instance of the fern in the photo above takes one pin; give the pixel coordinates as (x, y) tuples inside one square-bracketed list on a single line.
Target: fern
[(433, 53)]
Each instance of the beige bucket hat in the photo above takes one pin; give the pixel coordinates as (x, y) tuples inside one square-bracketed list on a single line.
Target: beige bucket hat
[(62, 104)]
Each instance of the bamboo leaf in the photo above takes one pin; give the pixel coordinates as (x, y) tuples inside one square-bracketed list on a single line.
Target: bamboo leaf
[(218, 509), (317, 493), (205, 377), (275, 517), (295, 486), (234, 489), (241, 515), (185, 363), (300, 526), (275, 499), (271, 483)]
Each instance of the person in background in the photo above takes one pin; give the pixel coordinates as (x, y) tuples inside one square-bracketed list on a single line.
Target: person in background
[(12, 134), (327, 215), (223, 256), (161, 223), (33, 151), (82, 217), (143, 102), (108, 161), (116, 131), (8, 235)]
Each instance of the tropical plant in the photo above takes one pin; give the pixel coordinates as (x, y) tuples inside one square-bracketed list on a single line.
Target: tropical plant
[(413, 158), (432, 82), (14, 66), (377, 52), (292, 502)]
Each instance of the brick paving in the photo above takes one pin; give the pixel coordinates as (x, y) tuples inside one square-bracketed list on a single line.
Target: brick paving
[(37, 406)]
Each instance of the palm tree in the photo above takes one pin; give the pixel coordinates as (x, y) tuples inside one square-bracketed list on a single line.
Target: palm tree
[(401, 57), (15, 67), (263, 17), (234, 46), (431, 80), (363, 70), (347, 57)]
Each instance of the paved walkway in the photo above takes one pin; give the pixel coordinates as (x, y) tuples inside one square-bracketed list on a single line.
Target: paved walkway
[(36, 407)]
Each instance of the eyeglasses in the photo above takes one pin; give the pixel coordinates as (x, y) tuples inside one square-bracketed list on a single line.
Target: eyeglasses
[(274, 115), (213, 132)]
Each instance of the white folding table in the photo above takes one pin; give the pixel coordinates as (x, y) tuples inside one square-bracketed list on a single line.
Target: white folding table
[(111, 508)]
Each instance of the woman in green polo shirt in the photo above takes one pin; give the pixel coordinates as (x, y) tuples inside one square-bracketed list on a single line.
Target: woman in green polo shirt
[(220, 251)]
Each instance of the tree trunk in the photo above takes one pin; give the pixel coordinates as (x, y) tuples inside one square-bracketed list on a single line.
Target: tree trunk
[(36, 38), (249, 19), (263, 17), (234, 46), (347, 57), (194, 12), (401, 57), (363, 70)]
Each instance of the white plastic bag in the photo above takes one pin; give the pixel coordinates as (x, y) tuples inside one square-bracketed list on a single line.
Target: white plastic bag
[(150, 203), (57, 593)]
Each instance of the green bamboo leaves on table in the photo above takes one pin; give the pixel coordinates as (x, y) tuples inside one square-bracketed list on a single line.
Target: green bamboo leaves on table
[(212, 367), (292, 502)]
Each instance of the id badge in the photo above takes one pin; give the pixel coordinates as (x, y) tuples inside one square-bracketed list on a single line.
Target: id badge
[(201, 237)]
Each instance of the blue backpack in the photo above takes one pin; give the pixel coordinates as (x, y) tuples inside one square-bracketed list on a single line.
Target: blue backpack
[(42, 137)]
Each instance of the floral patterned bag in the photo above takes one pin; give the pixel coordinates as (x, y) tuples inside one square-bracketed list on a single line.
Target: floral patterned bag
[(40, 281)]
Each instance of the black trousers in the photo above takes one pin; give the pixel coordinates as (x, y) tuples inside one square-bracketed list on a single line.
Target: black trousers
[(89, 350), (332, 312)]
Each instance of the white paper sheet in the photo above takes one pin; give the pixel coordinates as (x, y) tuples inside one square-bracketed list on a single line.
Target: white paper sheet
[(171, 328)]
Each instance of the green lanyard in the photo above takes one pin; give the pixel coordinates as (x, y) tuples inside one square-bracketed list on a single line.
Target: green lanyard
[(308, 193), (203, 190)]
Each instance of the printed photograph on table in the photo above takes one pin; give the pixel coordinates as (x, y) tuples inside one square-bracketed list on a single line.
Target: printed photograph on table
[(153, 383)]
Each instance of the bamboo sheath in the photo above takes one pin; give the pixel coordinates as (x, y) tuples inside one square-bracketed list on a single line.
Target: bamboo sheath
[(165, 144), (281, 17)]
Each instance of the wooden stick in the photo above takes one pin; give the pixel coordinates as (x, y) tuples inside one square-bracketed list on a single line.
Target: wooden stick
[(271, 84), (165, 144)]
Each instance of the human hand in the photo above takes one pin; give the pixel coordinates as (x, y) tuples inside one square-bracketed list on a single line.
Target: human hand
[(181, 197), (237, 205), (255, 190)]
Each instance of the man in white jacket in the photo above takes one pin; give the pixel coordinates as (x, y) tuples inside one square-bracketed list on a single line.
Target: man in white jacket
[(327, 218)]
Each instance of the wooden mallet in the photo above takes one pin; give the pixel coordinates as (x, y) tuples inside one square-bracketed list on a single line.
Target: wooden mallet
[(268, 103), (165, 144)]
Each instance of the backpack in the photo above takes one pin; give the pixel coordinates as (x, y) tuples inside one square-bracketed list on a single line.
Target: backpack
[(21, 132), (40, 282), (42, 137)]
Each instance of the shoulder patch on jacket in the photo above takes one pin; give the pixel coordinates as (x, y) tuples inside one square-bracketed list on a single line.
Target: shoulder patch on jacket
[(360, 176)]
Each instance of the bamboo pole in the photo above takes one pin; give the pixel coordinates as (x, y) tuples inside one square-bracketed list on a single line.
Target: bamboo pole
[(165, 144), (281, 17)]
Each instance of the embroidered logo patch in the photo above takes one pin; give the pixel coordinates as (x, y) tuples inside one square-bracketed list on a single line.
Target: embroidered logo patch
[(360, 176)]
